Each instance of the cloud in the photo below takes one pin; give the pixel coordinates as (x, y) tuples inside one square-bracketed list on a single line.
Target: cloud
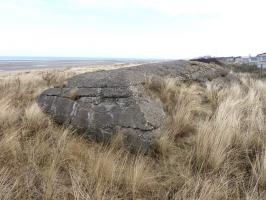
[(173, 8), (169, 7), (181, 7), (157, 28)]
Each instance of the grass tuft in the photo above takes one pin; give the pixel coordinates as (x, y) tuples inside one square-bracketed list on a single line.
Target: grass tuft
[(212, 146)]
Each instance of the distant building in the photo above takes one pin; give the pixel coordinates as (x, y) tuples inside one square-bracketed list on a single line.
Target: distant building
[(227, 59), (245, 59), (259, 60)]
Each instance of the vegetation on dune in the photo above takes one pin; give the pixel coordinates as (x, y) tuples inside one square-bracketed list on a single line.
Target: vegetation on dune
[(213, 146)]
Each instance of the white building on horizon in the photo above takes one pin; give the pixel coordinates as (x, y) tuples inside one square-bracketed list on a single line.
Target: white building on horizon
[(259, 60)]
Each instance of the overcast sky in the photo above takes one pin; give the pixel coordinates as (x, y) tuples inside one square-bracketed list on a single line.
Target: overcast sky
[(132, 28)]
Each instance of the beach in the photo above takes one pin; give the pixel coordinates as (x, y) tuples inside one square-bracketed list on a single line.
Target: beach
[(22, 65)]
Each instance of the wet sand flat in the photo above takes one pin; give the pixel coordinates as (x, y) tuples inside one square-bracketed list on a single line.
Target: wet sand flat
[(20, 65)]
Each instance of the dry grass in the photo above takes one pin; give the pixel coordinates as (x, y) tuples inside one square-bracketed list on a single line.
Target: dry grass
[(213, 146)]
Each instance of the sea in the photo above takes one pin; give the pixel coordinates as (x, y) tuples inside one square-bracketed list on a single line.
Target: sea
[(18, 63)]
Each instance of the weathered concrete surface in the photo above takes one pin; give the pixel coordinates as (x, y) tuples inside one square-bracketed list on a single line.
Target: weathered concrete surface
[(102, 103)]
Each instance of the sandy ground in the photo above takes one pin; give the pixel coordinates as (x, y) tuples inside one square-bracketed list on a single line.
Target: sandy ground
[(25, 65), (68, 70), (15, 65)]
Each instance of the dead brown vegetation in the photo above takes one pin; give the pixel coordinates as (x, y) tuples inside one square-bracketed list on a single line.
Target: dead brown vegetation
[(213, 147)]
